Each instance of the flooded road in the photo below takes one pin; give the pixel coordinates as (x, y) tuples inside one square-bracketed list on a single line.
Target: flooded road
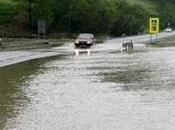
[(107, 90)]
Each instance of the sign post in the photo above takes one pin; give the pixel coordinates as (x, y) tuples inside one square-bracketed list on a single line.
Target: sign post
[(153, 27), (41, 28)]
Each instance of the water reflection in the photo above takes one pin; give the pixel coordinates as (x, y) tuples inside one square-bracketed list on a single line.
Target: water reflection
[(12, 97), (102, 91), (151, 70)]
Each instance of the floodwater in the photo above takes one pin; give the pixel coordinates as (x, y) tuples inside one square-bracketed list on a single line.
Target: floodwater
[(107, 90)]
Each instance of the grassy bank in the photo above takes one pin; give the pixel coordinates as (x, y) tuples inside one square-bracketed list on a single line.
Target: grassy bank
[(11, 44)]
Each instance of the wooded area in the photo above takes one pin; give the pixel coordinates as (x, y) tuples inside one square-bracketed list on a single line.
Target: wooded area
[(112, 17)]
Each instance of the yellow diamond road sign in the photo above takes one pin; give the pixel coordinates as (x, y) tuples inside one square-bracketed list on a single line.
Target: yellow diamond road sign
[(154, 25)]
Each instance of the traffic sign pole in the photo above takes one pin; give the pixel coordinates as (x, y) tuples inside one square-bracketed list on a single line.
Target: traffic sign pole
[(153, 27)]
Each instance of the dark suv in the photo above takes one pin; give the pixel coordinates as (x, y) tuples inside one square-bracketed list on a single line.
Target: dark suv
[(84, 40)]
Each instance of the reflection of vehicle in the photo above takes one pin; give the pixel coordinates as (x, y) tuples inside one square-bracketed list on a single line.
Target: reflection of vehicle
[(168, 30), (84, 40)]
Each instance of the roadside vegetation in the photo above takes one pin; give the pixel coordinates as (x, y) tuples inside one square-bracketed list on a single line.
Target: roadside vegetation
[(18, 18)]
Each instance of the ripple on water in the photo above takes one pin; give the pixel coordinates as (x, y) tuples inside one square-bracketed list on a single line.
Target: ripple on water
[(104, 91)]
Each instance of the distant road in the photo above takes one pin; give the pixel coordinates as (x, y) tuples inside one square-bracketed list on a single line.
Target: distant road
[(142, 38), (13, 57)]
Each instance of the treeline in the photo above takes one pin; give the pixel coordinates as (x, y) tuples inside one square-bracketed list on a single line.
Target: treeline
[(113, 17)]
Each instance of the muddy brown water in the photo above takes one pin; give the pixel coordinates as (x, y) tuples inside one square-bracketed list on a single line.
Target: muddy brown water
[(103, 91)]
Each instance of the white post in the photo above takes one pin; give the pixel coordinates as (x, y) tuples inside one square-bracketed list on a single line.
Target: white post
[(121, 50), (88, 52), (77, 52)]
